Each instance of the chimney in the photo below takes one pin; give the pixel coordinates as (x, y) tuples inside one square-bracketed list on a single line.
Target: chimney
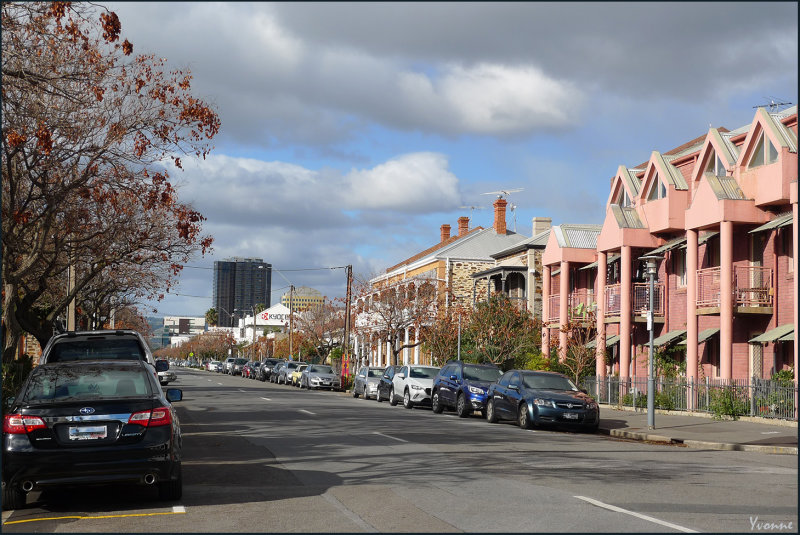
[(500, 215), (541, 224), (463, 226), (445, 232)]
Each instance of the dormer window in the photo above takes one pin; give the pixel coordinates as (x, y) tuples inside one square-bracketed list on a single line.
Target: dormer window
[(764, 153), (657, 189), (715, 165), (622, 198)]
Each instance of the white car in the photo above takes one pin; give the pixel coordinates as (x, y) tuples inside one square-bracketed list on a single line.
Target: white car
[(413, 385)]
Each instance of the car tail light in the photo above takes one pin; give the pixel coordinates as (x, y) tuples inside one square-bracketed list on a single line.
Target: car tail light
[(156, 417), (18, 424)]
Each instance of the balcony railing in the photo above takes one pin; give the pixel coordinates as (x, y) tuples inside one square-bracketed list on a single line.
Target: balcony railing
[(613, 299), (553, 308), (641, 298), (752, 287), (581, 302)]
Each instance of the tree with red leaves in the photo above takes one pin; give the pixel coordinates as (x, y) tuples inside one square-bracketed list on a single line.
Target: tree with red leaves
[(88, 132)]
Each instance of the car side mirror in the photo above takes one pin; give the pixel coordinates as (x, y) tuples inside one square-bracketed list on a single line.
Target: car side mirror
[(453, 378), (162, 365), (174, 394), (515, 388), (401, 375)]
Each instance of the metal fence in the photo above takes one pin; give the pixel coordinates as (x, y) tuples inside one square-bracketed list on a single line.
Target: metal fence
[(754, 397)]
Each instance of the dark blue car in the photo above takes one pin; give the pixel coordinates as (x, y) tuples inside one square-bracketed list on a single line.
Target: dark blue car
[(462, 386), (533, 398)]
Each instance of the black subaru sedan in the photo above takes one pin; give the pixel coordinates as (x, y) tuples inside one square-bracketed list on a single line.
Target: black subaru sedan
[(91, 422), (535, 398)]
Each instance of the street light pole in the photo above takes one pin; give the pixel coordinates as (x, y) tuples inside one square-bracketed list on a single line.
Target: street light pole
[(652, 270)]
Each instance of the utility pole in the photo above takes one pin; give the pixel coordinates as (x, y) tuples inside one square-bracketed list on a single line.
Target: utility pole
[(70, 288), (346, 352)]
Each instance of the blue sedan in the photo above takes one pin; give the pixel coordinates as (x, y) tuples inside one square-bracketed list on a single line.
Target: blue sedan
[(533, 398)]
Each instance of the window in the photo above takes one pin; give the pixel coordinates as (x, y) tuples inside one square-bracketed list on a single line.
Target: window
[(657, 189), (679, 266), (622, 197), (715, 165), (764, 153), (788, 248)]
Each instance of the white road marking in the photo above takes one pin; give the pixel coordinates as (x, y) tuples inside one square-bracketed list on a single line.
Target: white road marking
[(307, 412), (240, 390), (220, 384), (179, 509), (266, 399), (637, 515), (770, 432), (389, 436)]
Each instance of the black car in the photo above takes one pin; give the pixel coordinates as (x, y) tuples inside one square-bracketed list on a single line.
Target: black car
[(462, 386), (91, 422), (534, 398), (119, 344), (385, 384), (265, 370), (275, 371)]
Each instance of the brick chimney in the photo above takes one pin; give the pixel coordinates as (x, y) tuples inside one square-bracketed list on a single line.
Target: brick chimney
[(445, 232), (500, 216), (463, 225), (541, 224)]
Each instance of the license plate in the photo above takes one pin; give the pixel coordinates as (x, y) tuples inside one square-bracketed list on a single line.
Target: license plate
[(88, 433), (570, 416)]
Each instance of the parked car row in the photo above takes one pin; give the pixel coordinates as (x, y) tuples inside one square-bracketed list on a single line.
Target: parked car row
[(530, 398)]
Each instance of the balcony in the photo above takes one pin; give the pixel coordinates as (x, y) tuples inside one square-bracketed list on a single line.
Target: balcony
[(553, 309), (752, 290), (613, 300), (641, 298), (581, 302)]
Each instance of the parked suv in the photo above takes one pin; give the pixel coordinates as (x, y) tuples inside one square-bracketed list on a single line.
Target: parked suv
[(413, 385), (120, 344), (227, 365), (366, 381), (237, 366), (462, 386)]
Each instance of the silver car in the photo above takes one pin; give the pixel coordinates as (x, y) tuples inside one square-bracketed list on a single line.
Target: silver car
[(366, 382), (319, 376)]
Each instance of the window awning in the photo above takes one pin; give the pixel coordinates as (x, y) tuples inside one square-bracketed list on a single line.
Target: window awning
[(702, 239), (610, 341), (609, 259), (787, 338), (704, 335), (773, 335), (670, 245), (780, 221), (671, 336)]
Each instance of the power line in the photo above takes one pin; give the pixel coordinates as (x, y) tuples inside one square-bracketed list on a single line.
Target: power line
[(280, 270)]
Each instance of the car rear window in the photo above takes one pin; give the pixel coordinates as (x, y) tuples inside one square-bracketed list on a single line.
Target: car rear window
[(320, 369), (96, 349), (58, 384), (480, 373), (375, 372)]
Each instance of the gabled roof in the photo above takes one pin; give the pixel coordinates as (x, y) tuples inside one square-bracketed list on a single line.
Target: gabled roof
[(668, 172), (536, 242), (785, 136), (631, 180), (626, 217), (479, 246), (429, 250), (577, 236)]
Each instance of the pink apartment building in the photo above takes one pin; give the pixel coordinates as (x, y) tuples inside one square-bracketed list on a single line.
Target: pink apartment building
[(722, 212)]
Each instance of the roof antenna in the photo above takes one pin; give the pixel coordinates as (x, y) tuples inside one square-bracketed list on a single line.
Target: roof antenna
[(773, 106), (471, 208)]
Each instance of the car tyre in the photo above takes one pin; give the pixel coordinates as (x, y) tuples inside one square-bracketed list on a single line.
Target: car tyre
[(436, 405), (171, 490), (355, 392), (462, 409), (407, 403), (13, 497), (392, 398), (523, 418), (491, 415), (378, 397)]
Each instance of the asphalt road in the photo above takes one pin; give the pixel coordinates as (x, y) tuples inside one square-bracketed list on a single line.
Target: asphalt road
[(260, 457)]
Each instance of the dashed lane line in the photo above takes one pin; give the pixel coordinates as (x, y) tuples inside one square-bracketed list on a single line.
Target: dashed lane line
[(389, 436)]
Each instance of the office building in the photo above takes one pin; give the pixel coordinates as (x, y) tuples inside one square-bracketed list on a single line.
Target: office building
[(239, 285)]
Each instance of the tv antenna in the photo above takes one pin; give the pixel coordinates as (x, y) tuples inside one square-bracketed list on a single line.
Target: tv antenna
[(773, 106), (502, 193), (471, 209)]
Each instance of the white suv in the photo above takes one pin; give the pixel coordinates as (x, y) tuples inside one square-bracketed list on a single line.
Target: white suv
[(413, 385)]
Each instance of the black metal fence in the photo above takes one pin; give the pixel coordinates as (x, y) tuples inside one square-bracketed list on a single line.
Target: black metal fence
[(754, 397)]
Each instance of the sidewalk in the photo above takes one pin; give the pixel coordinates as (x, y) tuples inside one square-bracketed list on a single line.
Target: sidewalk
[(700, 432)]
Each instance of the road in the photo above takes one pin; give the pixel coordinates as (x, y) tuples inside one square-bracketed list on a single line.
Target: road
[(268, 458)]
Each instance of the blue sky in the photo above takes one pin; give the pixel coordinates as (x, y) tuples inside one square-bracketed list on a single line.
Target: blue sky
[(352, 132)]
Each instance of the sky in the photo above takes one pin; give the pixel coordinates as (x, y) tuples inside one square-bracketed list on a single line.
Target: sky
[(352, 131)]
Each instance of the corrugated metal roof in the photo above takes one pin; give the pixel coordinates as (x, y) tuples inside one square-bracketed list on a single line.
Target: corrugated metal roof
[(626, 217), (773, 334), (671, 174), (632, 181), (671, 244), (725, 187), (539, 241), (571, 236), (669, 337), (480, 246), (780, 221), (786, 136), (730, 151), (609, 259)]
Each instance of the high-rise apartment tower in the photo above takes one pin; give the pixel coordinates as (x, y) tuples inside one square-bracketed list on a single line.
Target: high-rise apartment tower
[(239, 285)]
